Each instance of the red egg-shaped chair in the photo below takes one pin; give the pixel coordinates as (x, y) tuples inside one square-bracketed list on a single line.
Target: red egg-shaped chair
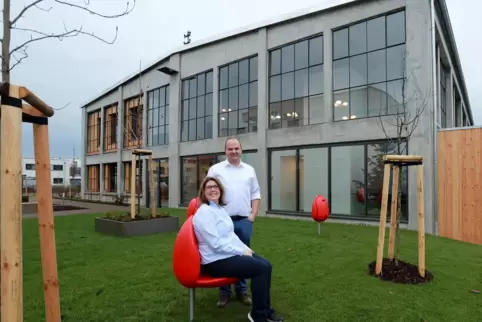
[(319, 209), (193, 206), (186, 264)]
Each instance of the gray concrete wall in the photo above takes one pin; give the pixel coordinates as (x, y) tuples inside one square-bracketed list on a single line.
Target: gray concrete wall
[(210, 57)]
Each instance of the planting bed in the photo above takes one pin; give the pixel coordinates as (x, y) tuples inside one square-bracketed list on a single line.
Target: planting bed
[(67, 207), (123, 225)]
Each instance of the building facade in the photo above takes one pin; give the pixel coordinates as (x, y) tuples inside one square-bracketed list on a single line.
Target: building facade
[(60, 172), (315, 99)]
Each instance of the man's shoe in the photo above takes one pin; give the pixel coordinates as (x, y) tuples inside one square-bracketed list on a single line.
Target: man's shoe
[(272, 318), (245, 299), (275, 318), (223, 301)]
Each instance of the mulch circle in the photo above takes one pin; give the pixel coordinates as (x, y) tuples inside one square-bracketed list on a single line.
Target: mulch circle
[(404, 273)]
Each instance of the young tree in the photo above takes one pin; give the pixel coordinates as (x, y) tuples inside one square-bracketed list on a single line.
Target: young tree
[(72, 172), (13, 23), (407, 107)]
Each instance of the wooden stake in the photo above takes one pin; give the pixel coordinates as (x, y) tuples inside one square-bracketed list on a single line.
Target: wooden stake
[(46, 223), (151, 186), (383, 219), (393, 212), (11, 211), (133, 186), (421, 223)]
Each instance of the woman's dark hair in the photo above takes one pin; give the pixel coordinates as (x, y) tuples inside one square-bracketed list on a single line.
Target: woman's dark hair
[(203, 198)]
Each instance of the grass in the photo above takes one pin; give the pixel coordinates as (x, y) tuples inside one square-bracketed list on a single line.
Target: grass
[(315, 278)]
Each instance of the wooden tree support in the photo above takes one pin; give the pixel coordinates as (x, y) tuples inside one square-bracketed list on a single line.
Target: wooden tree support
[(139, 153), (13, 113), (396, 162)]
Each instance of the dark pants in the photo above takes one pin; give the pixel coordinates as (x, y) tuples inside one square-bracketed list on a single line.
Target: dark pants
[(257, 269), (244, 229)]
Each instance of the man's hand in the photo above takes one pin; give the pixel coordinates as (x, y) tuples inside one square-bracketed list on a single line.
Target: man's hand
[(251, 217), (248, 252)]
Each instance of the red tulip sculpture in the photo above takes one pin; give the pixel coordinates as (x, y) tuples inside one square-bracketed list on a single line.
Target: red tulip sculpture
[(193, 206), (320, 210)]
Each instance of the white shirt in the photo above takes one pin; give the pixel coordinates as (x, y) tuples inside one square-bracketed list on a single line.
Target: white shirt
[(240, 186), (214, 231)]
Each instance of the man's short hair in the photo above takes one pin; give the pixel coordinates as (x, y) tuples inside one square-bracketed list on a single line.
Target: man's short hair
[(232, 138)]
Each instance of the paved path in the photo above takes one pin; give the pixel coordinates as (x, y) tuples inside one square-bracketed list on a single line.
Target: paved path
[(91, 208)]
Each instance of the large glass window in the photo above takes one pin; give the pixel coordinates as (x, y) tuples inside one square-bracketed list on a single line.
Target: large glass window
[(348, 180), (197, 107), (133, 119), (195, 169), (161, 183), (238, 97), (375, 172), (158, 116), (313, 176), (110, 177), (93, 178), (110, 128), (283, 180), (350, 176), (443, 96), (369, 68), (93, 132), (296, 84)]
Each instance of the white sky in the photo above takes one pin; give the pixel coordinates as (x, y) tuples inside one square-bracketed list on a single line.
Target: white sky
[(77, 69)]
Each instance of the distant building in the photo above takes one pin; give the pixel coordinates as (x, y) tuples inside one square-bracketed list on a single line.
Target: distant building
[(60, 172)]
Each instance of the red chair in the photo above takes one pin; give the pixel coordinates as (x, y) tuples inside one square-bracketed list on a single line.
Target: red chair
[(193, 206), (186, 263)]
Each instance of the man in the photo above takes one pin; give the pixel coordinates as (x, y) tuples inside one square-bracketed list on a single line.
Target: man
[(242, 196)]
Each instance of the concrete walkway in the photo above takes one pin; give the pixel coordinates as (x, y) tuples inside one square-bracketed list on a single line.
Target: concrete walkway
[(91, 207)]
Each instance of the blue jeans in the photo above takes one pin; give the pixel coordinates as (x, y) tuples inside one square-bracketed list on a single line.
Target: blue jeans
[(258, 269), (243, 229)]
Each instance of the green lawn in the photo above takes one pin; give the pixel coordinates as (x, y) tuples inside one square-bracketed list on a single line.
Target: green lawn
[(315, 278)]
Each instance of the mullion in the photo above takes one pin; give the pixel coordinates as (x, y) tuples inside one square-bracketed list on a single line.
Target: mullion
[(297, 180)]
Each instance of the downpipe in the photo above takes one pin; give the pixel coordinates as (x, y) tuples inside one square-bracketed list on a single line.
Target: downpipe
[(435, 115)]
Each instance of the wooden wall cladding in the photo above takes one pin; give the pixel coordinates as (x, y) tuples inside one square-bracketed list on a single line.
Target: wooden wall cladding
[(459, 184)]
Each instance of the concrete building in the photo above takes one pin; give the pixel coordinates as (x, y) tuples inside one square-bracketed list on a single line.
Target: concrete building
[(60, 171), (312, 96)]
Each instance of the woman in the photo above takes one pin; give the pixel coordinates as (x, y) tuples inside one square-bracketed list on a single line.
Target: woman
[(223, 254)]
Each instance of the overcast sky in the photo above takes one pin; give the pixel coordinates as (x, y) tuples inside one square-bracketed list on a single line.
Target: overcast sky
[(77, 69)]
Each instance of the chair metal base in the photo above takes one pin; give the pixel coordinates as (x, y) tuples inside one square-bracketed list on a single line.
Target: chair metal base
[(192, 298)]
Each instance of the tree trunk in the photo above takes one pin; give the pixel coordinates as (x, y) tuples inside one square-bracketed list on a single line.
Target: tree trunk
[(6, 42), (399, 215)]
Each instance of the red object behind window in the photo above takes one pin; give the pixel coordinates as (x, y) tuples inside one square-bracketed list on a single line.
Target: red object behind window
[(186, 261), (319, 209), (193, 206)]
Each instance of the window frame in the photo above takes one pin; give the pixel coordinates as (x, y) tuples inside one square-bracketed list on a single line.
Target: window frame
[(133, 138), (93, 182), (237, 86), (150, 111), (111, 124), (94, 131), (366, 52), (188, 120), (308, 67)]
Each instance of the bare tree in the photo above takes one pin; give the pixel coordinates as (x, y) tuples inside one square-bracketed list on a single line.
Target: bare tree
[(19, 52), (406, 109)]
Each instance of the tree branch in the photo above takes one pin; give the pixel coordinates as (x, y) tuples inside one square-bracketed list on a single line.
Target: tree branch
[(126, 11), (67, 34), (22, 12)]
